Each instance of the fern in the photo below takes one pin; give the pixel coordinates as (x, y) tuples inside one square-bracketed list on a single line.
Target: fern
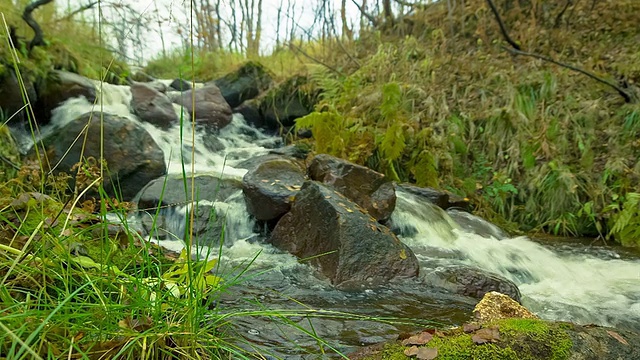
[(393, 143), (391, 100), (425, 170), (626, 223)]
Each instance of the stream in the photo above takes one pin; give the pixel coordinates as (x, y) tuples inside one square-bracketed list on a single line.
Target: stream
[(559, 279)]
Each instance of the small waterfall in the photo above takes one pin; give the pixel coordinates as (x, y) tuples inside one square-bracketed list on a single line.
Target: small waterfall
[(577, 287)]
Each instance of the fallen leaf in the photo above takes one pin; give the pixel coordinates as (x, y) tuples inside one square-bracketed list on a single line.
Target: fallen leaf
[(426, 353), (412, 351), (486, 335), (617, 336), (420, 339), (469, 328), (349, 210), (264, 180), (403, 255)]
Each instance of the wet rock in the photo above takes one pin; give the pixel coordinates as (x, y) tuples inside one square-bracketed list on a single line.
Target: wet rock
[(269, 188), (11, 101), (245, 83), (251, 113), (436, 197), (469, 281), (347, 245), (133, 158), (163, 207), (170, 190), (293, 98), (367, 188), (298, 151), (443, 199), (211, 110), (58, 87), (152, 106), (496, 305), (180, 85)]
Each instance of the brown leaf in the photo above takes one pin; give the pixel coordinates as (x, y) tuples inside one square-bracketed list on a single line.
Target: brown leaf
[(420, 339), (426, 353), (412, 351), (486, 335), (617, 336), (469, 328)]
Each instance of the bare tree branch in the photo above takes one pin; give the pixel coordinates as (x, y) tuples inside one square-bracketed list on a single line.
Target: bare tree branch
[(38, 38), (627, 98), (503, 29), (518, 51), (369, 17)]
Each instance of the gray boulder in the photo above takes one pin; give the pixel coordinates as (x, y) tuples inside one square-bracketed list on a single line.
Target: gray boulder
[(152, 106), (345, 243), (133, 158), (367, 188), (270, 186), (211, 109)]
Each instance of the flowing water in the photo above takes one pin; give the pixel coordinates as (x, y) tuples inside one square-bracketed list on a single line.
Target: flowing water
[(558, 280)]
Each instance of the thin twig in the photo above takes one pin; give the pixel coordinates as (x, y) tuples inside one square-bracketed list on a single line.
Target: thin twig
[(297, 48), (78, 10)]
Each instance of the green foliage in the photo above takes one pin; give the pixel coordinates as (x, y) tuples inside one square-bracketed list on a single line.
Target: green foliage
[(625, 221)]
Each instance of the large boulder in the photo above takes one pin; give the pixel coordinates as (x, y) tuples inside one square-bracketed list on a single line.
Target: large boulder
[(270, 186), (57, 87), (347, 245), (133, 158), (12, 103), (152, 106), (245, 83), (470, 281), (367, 188), (211, 109)]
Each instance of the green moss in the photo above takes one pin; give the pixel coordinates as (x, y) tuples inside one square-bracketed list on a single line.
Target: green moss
[(541, 336), (520, 339), (460, 346)]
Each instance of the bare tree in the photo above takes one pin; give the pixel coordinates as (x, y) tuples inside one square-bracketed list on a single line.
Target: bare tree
[(252, 21)]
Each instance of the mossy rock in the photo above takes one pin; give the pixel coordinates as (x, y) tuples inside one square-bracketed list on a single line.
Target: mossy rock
[(245, 83), (294, 98), (522, 339)]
